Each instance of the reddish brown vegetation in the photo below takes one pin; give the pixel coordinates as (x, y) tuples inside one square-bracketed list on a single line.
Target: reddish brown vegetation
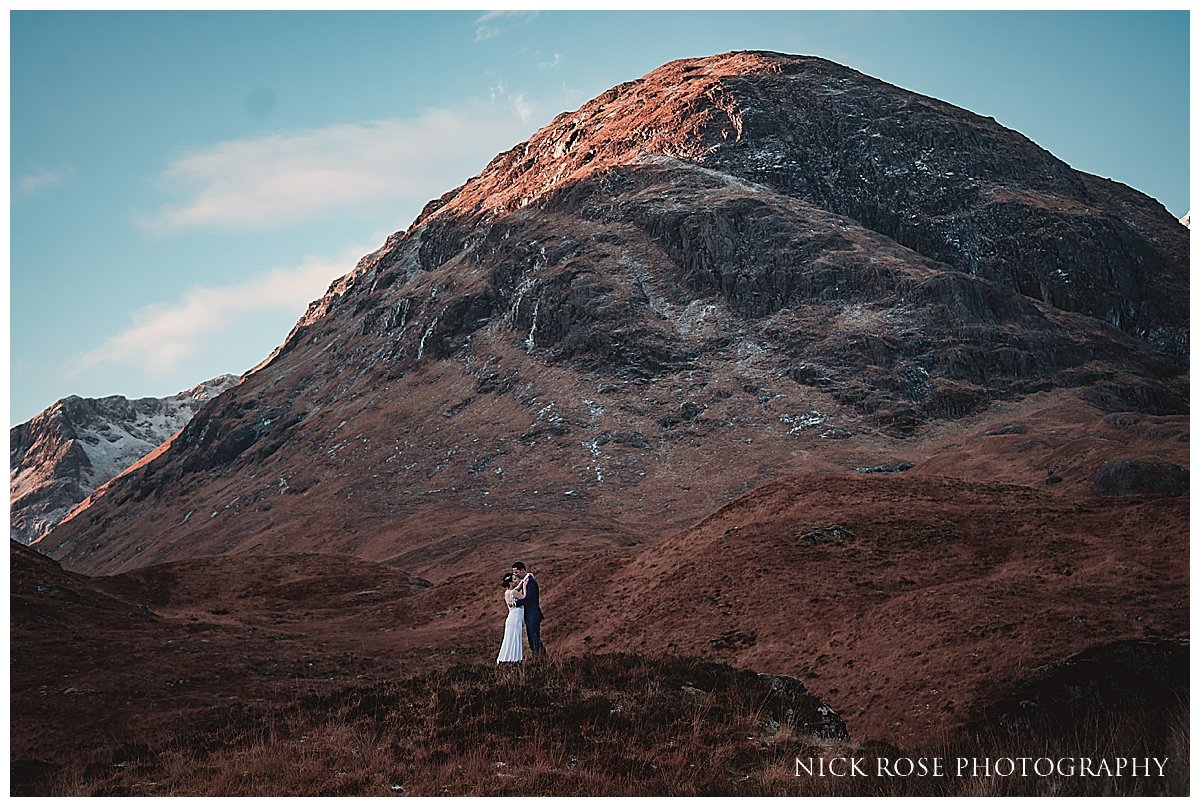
[(140, 702), (910, 605)]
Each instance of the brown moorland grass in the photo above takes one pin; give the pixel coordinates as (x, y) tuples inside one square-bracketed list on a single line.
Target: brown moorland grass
[(609, 724)]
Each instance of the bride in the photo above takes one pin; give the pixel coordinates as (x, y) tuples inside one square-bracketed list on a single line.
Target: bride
[(511, 648)]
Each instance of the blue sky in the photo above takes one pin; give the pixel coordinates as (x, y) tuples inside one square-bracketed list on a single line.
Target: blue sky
[(184, 184)]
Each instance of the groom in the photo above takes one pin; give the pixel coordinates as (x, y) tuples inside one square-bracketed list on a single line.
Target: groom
[(533, 612)]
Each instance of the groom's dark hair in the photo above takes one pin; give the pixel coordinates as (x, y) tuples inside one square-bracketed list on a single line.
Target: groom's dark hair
[(519, 565)]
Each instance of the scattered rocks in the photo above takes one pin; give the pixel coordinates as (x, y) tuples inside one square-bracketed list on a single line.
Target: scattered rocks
[(1009, 428), (819, 534), (799, 422), (688, 412), (887, 468), (836, 433), (790, 705), (631, 439)]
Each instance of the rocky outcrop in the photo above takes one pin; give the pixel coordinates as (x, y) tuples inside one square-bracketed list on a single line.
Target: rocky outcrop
[(58, 458), (1147, 677), (1130, 477)]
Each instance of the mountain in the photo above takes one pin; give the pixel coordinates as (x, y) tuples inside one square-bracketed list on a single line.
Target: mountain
[(734, 268), (1186, 221), (756, 358), (63, 454)]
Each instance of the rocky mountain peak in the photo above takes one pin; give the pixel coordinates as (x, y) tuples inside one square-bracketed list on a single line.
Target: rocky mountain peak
[(63, 454), (763, 116), (684, 109), (944, 182), (735, 260)]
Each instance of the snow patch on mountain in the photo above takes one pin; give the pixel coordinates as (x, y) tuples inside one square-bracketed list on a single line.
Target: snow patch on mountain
[(60, 456)]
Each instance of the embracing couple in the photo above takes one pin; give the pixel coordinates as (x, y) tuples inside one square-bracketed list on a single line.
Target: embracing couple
[(521, 597)]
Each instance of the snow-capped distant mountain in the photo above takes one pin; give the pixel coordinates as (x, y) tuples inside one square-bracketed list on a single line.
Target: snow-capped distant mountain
[(1186, 221), (60, 456)]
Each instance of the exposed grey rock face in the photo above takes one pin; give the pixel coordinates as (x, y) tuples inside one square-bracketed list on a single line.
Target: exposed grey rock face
[(963, 190), (59, 457)]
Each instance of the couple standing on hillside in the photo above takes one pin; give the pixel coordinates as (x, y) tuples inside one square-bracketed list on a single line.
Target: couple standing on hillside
[(521, 596)]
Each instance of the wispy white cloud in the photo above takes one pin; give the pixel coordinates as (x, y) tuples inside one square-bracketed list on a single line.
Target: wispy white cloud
[(292, 176), (163, 336), (543, 60), (523, 108), (515, 101), (41, 179), (494, 23)]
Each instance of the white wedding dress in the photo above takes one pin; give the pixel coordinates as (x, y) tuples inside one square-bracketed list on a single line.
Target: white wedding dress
[(511, 648)]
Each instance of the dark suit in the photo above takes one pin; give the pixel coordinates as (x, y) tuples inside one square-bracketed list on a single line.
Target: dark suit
[(533, 614)]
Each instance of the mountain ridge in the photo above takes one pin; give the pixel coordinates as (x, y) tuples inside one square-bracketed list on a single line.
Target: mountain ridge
[(62, 455)]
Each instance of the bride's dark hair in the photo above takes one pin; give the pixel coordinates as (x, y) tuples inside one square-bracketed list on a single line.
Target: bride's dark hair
[(508, 578)]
